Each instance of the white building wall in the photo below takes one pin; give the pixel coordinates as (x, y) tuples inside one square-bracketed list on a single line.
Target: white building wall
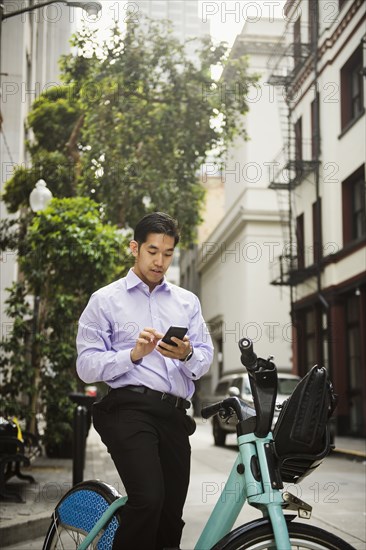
[(31, 45), (340, 155), (248, 162), (235, 259)]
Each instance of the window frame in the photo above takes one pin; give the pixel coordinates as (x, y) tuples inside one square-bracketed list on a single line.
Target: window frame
[(350, 216), (298, 139), (317, 231), (352, 100), (300, 241), (315, 134)]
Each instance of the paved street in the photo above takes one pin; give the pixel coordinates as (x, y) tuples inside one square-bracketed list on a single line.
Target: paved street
[(336, 491)]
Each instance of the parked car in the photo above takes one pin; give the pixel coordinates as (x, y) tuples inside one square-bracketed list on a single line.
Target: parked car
[(238, 384)]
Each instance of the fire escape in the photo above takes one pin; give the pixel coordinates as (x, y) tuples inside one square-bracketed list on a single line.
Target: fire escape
[(291, 62)]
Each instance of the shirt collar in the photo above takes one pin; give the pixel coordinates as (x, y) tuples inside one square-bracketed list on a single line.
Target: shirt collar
[(133, 280)]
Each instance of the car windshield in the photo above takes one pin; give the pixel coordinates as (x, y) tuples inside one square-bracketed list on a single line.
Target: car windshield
[(286, 385)]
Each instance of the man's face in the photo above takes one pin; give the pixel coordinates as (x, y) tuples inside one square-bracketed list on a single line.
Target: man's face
[(153, 257)]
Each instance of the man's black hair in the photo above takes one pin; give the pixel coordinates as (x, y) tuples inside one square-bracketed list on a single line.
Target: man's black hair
[(156, 222)]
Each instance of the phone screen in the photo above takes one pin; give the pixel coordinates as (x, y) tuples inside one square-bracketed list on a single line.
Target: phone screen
[(178, 332)]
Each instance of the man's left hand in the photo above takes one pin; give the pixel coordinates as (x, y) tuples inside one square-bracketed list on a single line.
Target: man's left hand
[(180, 351)]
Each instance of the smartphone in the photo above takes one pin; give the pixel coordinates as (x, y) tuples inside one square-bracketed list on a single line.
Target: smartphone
[(178, 332)]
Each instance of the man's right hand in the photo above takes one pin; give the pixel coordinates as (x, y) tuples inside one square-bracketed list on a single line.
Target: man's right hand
[(145, 343)]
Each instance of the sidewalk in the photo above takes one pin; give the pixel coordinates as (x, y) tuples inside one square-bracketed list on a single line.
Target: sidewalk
[(347, 446), (30, 520)]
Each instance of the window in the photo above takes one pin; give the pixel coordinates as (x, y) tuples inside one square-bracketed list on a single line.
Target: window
[(310, 339), (353, 340), (351, 89), (312, 336), (298, 139), (313, 22), (297, 42), (353, 206), (220, 355), (341, 3), (300, 242), (325, 338), (286, 385), (222, 388), (315, 136), (317, 231), (237, 383)]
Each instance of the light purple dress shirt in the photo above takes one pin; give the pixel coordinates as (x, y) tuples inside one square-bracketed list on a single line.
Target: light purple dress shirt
[(112, 321)]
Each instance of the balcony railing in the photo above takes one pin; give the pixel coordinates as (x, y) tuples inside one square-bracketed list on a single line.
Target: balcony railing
[(281, 269), (288, 270), (290, 56), (292, 165)]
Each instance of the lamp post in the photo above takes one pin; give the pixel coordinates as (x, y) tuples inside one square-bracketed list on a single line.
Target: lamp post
[(38, 200)]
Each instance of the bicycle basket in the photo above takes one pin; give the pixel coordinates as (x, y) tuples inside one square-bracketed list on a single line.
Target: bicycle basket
[(301, 434)]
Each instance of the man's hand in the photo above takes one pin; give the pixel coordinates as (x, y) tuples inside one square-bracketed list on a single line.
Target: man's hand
[(180, 351), (145, 343)]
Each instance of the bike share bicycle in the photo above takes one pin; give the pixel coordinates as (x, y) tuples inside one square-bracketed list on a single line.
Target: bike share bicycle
[(87, 516)]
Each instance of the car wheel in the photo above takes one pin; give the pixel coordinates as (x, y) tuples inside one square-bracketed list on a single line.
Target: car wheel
[(218, 433)]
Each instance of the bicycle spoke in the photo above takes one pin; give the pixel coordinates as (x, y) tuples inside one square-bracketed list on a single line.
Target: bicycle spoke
[(67, 539)]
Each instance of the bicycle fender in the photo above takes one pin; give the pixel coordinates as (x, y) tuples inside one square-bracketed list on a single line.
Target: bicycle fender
[(230, 537)]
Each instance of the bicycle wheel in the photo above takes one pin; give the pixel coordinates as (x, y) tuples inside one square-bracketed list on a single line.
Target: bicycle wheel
[(302, 537), (76, 514)]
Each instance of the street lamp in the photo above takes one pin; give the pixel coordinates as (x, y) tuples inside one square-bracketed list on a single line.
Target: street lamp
[(40, 196), (91, 8), (38, 200)]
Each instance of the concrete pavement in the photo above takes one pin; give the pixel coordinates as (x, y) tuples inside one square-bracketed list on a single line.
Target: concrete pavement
[(28, 521)]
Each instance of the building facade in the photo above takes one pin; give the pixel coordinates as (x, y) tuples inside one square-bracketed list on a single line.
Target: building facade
[(183, 15), (31, 45), (234, 259), (321, 73)]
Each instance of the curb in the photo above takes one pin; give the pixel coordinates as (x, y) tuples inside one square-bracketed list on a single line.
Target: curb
[(28, 530), (346, 453)]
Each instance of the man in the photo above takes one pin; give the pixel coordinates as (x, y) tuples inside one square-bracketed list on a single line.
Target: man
[(143, 420)]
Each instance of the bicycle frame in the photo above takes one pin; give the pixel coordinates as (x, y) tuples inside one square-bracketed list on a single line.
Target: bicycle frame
[(243, 486), (103, 520), (255, 477)]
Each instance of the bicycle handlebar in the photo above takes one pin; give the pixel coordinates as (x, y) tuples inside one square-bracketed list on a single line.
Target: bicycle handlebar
[(248, 357), (242, 410), (211, 410), (263, 382)]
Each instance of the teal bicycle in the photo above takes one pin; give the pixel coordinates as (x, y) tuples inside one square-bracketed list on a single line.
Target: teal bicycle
[(88, 515)]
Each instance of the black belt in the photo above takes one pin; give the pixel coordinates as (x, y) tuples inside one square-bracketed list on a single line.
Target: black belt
[(173, 400)]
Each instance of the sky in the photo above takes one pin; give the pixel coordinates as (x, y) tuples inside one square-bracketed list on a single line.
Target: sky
[(226, 18)]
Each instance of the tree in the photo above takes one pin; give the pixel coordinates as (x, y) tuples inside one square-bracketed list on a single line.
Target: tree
[(134, 123), (129, 128), (149, 121), (66, 254)]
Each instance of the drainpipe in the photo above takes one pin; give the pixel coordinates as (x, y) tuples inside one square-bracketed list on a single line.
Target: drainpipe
[(319, 236)]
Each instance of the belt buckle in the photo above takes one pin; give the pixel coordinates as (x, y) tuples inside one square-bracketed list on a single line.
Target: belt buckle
[(164, 396), (172, 399)]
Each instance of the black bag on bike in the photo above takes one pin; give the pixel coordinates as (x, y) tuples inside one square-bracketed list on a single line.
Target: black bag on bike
[(301, 434), (8, 430)]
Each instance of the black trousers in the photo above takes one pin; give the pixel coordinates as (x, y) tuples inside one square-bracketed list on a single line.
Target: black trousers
[(149, 444)]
